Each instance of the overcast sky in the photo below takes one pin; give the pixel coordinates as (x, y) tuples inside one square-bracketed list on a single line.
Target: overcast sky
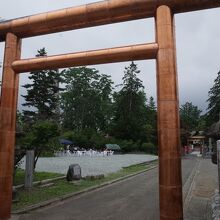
[(198, 45)]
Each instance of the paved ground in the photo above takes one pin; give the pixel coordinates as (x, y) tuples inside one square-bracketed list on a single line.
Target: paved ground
[(203, 188), (132, 199), (91, 165)]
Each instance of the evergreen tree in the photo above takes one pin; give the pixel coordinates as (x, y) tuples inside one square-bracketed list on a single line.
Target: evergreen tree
[(130, 107), (214, 102), (190, 116), (151, 107), (87, 100), (42, 93), (151, 125)]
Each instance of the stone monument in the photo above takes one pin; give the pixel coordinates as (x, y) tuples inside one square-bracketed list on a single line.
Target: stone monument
[(74, 172)]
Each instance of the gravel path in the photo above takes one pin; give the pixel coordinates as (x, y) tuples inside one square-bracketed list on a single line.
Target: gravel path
[(91, 165)]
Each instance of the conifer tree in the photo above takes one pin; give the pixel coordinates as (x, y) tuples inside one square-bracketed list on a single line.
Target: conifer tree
[(130, 107), (214, 102), (151, 121), (42, 98), (190, 116)]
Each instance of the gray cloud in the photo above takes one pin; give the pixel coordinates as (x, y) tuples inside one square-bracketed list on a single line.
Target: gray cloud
[(198, 45)]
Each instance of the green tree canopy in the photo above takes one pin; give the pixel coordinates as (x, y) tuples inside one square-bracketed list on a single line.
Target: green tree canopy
[(40, 137), (214, 102), (86, 102)]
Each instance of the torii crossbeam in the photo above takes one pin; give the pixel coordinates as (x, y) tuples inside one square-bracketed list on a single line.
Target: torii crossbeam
[(100, 13)]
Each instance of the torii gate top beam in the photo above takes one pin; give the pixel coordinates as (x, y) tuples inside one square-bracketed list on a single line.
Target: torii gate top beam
[(100, 13)]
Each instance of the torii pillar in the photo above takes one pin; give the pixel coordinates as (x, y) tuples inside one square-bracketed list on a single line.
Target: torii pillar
[(8, 108), (170, 182)]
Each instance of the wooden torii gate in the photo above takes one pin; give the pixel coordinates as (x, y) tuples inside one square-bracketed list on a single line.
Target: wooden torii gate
[(100, 13)]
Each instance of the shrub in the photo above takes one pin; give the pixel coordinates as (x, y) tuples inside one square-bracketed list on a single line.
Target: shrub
[(86, 139), (149, 148), (126, 145)]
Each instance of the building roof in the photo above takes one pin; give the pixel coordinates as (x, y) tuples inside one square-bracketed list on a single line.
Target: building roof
[(197, 137)]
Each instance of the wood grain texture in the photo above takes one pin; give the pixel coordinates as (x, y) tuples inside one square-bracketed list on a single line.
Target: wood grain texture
[(99, 13), (170, 182), (8, 110), (111, 55)]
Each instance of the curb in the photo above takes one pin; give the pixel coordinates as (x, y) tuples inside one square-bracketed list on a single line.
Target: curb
[(41, 182), (215, 206), (61, 198), (209, 204), (188, 186)]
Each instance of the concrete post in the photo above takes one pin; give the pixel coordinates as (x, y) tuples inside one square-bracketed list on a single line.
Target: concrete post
[(170, 180), (29, 169), (218, 159), (210, 145)]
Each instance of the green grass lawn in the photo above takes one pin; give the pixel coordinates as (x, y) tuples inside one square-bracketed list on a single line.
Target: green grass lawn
[(38, 176), (62, 187)]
